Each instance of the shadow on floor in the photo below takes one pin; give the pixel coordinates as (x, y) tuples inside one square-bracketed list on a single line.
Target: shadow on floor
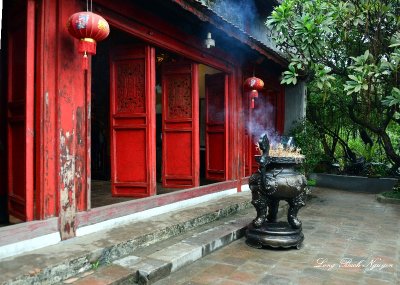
[(101, 193)]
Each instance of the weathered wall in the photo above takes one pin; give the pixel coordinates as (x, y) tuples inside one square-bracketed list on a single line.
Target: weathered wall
[(295, 105)]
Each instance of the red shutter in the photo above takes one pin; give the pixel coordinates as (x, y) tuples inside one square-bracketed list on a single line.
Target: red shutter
[(180, 127), (215, 86), (132, 88), (20, 109)]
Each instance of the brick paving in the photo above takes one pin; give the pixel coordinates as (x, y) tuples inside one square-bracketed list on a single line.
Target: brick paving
[(350, 238)]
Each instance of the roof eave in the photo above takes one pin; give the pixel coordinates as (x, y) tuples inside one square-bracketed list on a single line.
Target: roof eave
[(208, 15)]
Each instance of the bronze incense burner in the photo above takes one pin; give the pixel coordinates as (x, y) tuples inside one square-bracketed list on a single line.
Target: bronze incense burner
[(276, 179)]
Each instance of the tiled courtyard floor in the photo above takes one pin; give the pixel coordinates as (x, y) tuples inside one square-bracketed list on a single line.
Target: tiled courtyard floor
[(350, 238)]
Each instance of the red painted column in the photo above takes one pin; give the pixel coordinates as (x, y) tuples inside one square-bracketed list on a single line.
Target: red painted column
[(232, 131), (240, 123), (60, 118), (72, 96), (46, 108), (3, 134)]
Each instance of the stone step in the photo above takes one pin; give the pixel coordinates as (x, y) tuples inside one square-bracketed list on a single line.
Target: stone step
[(94, 254), (157, 261)]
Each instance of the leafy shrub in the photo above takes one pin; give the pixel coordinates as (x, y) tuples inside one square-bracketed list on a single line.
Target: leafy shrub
[(306, 138)]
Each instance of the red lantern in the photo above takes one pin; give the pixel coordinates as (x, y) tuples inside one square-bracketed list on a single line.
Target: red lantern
[(89, 28), (253, 85)]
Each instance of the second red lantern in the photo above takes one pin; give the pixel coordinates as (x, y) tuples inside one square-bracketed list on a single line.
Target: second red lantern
[(253, 85)]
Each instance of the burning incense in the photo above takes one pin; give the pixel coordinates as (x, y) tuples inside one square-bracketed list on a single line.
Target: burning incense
[(279, 150)]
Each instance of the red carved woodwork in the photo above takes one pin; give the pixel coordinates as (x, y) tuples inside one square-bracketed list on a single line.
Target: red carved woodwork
[(179, 97), (216, 89), (130, 85), (132, 113), (180, 127), (20, 109)]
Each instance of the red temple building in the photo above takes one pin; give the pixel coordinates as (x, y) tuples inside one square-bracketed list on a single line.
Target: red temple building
[(156, 111)]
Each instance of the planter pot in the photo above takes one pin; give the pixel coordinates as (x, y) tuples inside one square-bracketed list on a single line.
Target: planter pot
[(354, 183)]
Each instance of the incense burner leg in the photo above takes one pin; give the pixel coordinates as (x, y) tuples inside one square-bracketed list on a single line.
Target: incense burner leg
[(258, 200), (294, 206)]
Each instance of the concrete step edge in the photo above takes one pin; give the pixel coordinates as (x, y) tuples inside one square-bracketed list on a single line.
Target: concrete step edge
[(70, 268), (156, 266), (146, 277)]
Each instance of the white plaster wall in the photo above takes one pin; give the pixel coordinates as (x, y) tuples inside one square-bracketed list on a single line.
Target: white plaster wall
[(295, 105)]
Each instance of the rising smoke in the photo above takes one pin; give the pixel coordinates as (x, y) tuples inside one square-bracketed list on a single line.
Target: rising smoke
[(262, 120), (245, 15)]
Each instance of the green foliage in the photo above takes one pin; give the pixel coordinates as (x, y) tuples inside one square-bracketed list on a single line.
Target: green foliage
[(394, 133), (392, 194), (290, 76), (395, 193), (95, 264), (304, 137), (349, 54), (311, 182), (393, 99)]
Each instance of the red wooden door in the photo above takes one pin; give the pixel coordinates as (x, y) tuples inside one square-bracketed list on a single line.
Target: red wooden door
[(216, 88), (20, 109), (180, 127), (132, 106)]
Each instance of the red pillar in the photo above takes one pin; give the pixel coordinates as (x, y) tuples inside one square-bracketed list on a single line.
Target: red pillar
[(3, 137), (46, 110), (71, 124), (62, 119)]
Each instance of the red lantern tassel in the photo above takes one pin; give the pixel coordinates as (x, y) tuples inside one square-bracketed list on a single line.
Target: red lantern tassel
[(254, 93), (87, 45), (85, 62), (252, 103)]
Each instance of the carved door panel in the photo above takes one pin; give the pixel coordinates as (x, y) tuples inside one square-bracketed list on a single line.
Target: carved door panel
[(132, 95), (216, 87), (20, 109), (180, 125)]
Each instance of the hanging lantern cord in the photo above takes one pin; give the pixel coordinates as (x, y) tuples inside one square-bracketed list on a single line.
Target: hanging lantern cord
[(85, 61), (87, 5)]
